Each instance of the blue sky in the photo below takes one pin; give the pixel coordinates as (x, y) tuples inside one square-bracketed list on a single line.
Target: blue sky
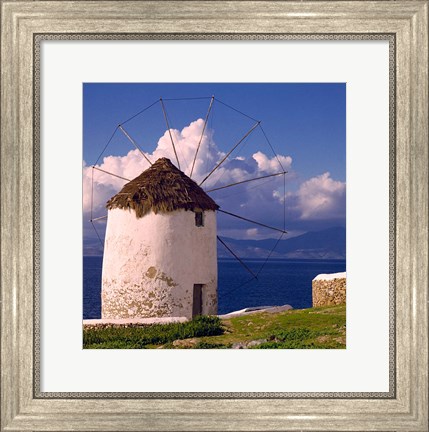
[(305, 123)]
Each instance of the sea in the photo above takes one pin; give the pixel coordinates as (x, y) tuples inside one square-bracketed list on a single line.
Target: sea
[(278, 282)]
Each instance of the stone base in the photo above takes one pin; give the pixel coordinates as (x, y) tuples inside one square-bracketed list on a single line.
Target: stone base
[(329, 289)]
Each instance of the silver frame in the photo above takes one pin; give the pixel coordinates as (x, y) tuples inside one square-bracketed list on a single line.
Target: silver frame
[(39, 38), (24, 25)]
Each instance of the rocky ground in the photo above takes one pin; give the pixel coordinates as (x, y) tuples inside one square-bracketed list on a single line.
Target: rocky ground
[(274, 328)]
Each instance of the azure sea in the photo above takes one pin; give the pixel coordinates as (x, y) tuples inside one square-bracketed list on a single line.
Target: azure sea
[(279, 282)]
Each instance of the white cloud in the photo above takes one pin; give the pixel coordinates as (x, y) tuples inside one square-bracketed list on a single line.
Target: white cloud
[(186, 141), (106, 185), (322, 197), (252, 232), (271, 166)]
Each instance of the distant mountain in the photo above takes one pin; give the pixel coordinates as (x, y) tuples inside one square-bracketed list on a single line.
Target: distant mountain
[(327, 244)]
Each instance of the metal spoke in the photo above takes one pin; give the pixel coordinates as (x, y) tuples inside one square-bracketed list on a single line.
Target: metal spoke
[(134, 143), (202, 134), (252, 221), (226, 156), (246, 181), (98, 218), (271, 252), (169, 131), (107, 172), (236, 257), (98, 235)]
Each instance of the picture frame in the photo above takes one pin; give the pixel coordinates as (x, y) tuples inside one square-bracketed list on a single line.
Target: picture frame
[(23, 24)]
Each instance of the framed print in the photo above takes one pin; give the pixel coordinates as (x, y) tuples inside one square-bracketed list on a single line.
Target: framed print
[(265, 171)]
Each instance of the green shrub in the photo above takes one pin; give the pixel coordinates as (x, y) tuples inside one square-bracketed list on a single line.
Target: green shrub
[(156, 334)]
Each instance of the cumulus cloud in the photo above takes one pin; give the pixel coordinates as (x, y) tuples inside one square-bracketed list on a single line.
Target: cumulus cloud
[(234, 169), (265, 164), (319, 198), (186, 142), (106, 185)]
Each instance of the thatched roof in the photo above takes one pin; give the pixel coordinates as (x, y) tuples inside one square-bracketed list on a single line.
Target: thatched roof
[(162, 188)]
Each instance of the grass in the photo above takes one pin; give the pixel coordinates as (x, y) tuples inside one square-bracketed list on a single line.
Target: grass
[(313, 328), (148, 336)]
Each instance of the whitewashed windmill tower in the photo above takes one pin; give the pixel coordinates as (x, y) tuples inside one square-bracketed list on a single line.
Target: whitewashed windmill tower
[(160, 256)]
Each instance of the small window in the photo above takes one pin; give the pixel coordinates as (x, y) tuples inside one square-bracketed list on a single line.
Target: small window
[(199, 220)]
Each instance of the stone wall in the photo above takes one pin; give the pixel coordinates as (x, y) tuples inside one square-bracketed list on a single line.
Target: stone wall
[(329, 289)]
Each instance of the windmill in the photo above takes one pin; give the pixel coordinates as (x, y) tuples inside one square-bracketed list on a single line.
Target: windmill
[(160, 252)]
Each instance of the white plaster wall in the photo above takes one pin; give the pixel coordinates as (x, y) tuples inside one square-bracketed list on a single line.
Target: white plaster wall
[(151, 264)]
